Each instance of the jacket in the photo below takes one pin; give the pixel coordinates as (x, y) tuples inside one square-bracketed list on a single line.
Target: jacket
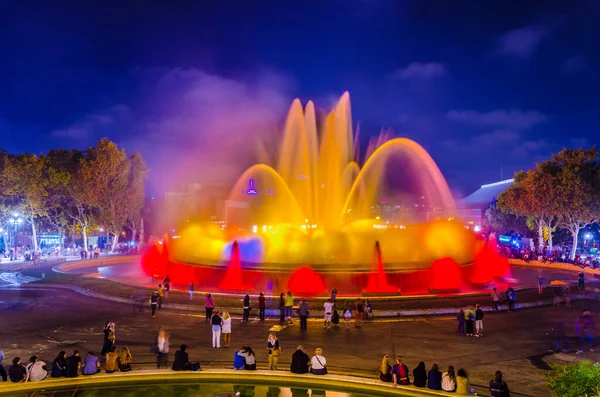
[(499, 389), (299, 362)]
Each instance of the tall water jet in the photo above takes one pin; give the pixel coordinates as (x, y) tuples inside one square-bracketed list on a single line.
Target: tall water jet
[(233, 277), (378, 279)]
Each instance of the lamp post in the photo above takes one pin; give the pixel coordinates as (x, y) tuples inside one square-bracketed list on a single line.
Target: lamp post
[(15, 220)]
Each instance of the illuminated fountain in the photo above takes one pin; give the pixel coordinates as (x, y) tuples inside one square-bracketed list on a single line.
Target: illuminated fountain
[(312, 219)]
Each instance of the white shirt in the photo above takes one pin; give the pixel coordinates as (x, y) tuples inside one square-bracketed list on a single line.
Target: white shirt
[(226, 327), (328, 307), (250, 359), (315, 364), (36, 371), (163, 345)]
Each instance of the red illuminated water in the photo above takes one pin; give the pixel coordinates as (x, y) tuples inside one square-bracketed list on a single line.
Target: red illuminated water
[(446, 276), (378, 279), (233, 277), (305, 281)]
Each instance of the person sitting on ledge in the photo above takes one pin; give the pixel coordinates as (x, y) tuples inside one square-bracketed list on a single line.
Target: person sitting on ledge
[(91, 365), (17, 372), (385, 372), (37, 369), (125, 359), (112, 365), (249, 358), (182, 361), (59, 365), (400, 372), (318, 363), (434, 379), (239, 362), (498, 387), (299, 361), (420, 375), (462, 383)]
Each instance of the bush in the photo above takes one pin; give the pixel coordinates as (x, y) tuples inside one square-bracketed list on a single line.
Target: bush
[(575, 380)]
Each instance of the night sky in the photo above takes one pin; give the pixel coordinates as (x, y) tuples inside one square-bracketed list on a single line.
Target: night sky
[(487, 87)]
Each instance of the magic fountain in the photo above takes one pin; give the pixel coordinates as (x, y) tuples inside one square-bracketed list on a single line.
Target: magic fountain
[(312, 223)]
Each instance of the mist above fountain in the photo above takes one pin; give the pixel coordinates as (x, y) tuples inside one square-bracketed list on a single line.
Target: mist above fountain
[(311, 208)]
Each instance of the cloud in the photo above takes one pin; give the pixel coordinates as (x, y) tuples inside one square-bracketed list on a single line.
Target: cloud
[(421, 71), (513, 119), (521, 43), (575, 64), (94, 125), (190, 125)]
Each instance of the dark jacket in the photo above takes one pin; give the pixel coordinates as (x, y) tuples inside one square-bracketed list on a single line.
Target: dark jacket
[(434, 381), (246, 301), (499, 389), (478, 314), (59, 368), (420, 377), (299, 362), (181, 362)]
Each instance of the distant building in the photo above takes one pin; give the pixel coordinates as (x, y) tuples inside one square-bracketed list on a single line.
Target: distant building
[(471, 209)]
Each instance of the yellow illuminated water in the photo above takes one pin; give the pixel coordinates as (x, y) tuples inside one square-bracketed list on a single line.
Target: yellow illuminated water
[(314, 204)]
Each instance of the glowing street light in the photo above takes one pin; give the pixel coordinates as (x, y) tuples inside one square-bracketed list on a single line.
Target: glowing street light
[(588, 236), (477, 228)]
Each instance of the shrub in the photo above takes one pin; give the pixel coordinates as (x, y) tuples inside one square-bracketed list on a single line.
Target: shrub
[(575, 380)]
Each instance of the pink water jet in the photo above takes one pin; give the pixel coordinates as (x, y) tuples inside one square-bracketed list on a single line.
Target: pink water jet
[(233, 277), (378, 279)]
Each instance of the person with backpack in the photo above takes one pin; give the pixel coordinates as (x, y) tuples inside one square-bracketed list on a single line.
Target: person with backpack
[(512, 298), (470, 320)]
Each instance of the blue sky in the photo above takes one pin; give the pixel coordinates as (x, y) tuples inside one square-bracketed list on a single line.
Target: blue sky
[(483, 86)]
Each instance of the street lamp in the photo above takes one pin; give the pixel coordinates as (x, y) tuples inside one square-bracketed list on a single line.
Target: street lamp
[(15, 221)]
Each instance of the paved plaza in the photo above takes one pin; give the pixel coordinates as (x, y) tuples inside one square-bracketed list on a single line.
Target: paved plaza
[(43, 322)]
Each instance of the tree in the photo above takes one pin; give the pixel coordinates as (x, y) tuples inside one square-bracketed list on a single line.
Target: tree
[(24, 186), (502, 223), (135, 192), (577, 177)]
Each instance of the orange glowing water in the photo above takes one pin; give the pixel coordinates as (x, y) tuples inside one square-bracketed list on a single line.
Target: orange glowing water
[(313, 203)]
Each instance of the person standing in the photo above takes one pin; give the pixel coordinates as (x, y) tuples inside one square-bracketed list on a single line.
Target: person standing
[(347, 316), (495, 299), (360, 313), (581, 282), (161, 296), (109, 337), (162, 348), (191, 290), (282, 308), (540, 280), (262, 306), (303, 313), (328, 311), (512, 298), (154, 303), (167, 283), (2, 370), (470, 320), (273, 350), (246, 308), (209, 306), (333, 296), (460, 318), (226, 329), (289, 304), (216, 321), (478, 321)]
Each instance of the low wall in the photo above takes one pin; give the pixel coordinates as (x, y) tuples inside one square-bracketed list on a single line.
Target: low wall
[(22, 265), (349, 384), (555, 265), (102, 261)]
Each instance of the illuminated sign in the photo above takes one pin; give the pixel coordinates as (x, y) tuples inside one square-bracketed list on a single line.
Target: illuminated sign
[(504, 239), (251, 189)]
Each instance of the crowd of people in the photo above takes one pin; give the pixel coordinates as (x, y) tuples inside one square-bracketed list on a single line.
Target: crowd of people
[(547, 255)]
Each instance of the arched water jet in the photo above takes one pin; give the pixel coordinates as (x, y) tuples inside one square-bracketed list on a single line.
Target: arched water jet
[(436, 188)]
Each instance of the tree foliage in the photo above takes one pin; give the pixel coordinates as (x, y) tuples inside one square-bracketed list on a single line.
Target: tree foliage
[(574, 380), (98, 187)]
